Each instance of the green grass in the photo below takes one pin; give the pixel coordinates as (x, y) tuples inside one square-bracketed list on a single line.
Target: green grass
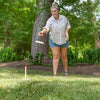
[(41, 85)]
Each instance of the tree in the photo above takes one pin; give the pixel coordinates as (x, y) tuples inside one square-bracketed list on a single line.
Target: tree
[(92, 7), (17, 18), (84, 31), (44, 14)]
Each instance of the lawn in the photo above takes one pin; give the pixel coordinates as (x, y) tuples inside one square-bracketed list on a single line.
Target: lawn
[(41, 85)]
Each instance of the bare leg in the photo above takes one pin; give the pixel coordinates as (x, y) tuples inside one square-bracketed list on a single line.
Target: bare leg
[(64, 59), (56, 53)]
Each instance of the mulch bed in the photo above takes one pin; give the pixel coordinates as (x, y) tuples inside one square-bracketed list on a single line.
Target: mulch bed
[(83, 69)]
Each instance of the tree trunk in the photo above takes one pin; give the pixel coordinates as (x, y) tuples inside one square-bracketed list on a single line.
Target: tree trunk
[(38, 26), (97, 42)]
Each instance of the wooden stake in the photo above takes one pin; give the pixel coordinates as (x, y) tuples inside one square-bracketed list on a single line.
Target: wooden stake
[(25, 71)]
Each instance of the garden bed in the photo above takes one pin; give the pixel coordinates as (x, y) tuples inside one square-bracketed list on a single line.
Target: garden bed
[(80, 68)]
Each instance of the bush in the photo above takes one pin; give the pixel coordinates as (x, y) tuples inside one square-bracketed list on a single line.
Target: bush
[(8, 54), (30, 58), (72, 56), (88, 56), (41, 58), (98, 55), (91, 56), (37, 60)]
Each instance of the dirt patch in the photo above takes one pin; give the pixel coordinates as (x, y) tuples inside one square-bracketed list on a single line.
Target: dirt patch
[(84, 69)]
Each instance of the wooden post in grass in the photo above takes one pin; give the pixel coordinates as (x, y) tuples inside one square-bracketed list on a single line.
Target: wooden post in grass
[(25, 71)]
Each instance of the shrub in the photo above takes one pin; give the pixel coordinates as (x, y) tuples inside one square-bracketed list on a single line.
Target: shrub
[(30, 58), (37, 60), (91, 56), (88, 56), (98, 55), (75, 58), (70, 56), (8, 54), (41, 58)]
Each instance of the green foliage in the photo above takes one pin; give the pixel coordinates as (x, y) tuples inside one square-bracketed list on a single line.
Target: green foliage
[(38, 60), (41, 58), (88, 56), (30, 58), (23, 46), (50, 53), (72, 56), (97, 52), (91, 56), (8, 54), (81, 19), (20, 16), (76, 54)]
